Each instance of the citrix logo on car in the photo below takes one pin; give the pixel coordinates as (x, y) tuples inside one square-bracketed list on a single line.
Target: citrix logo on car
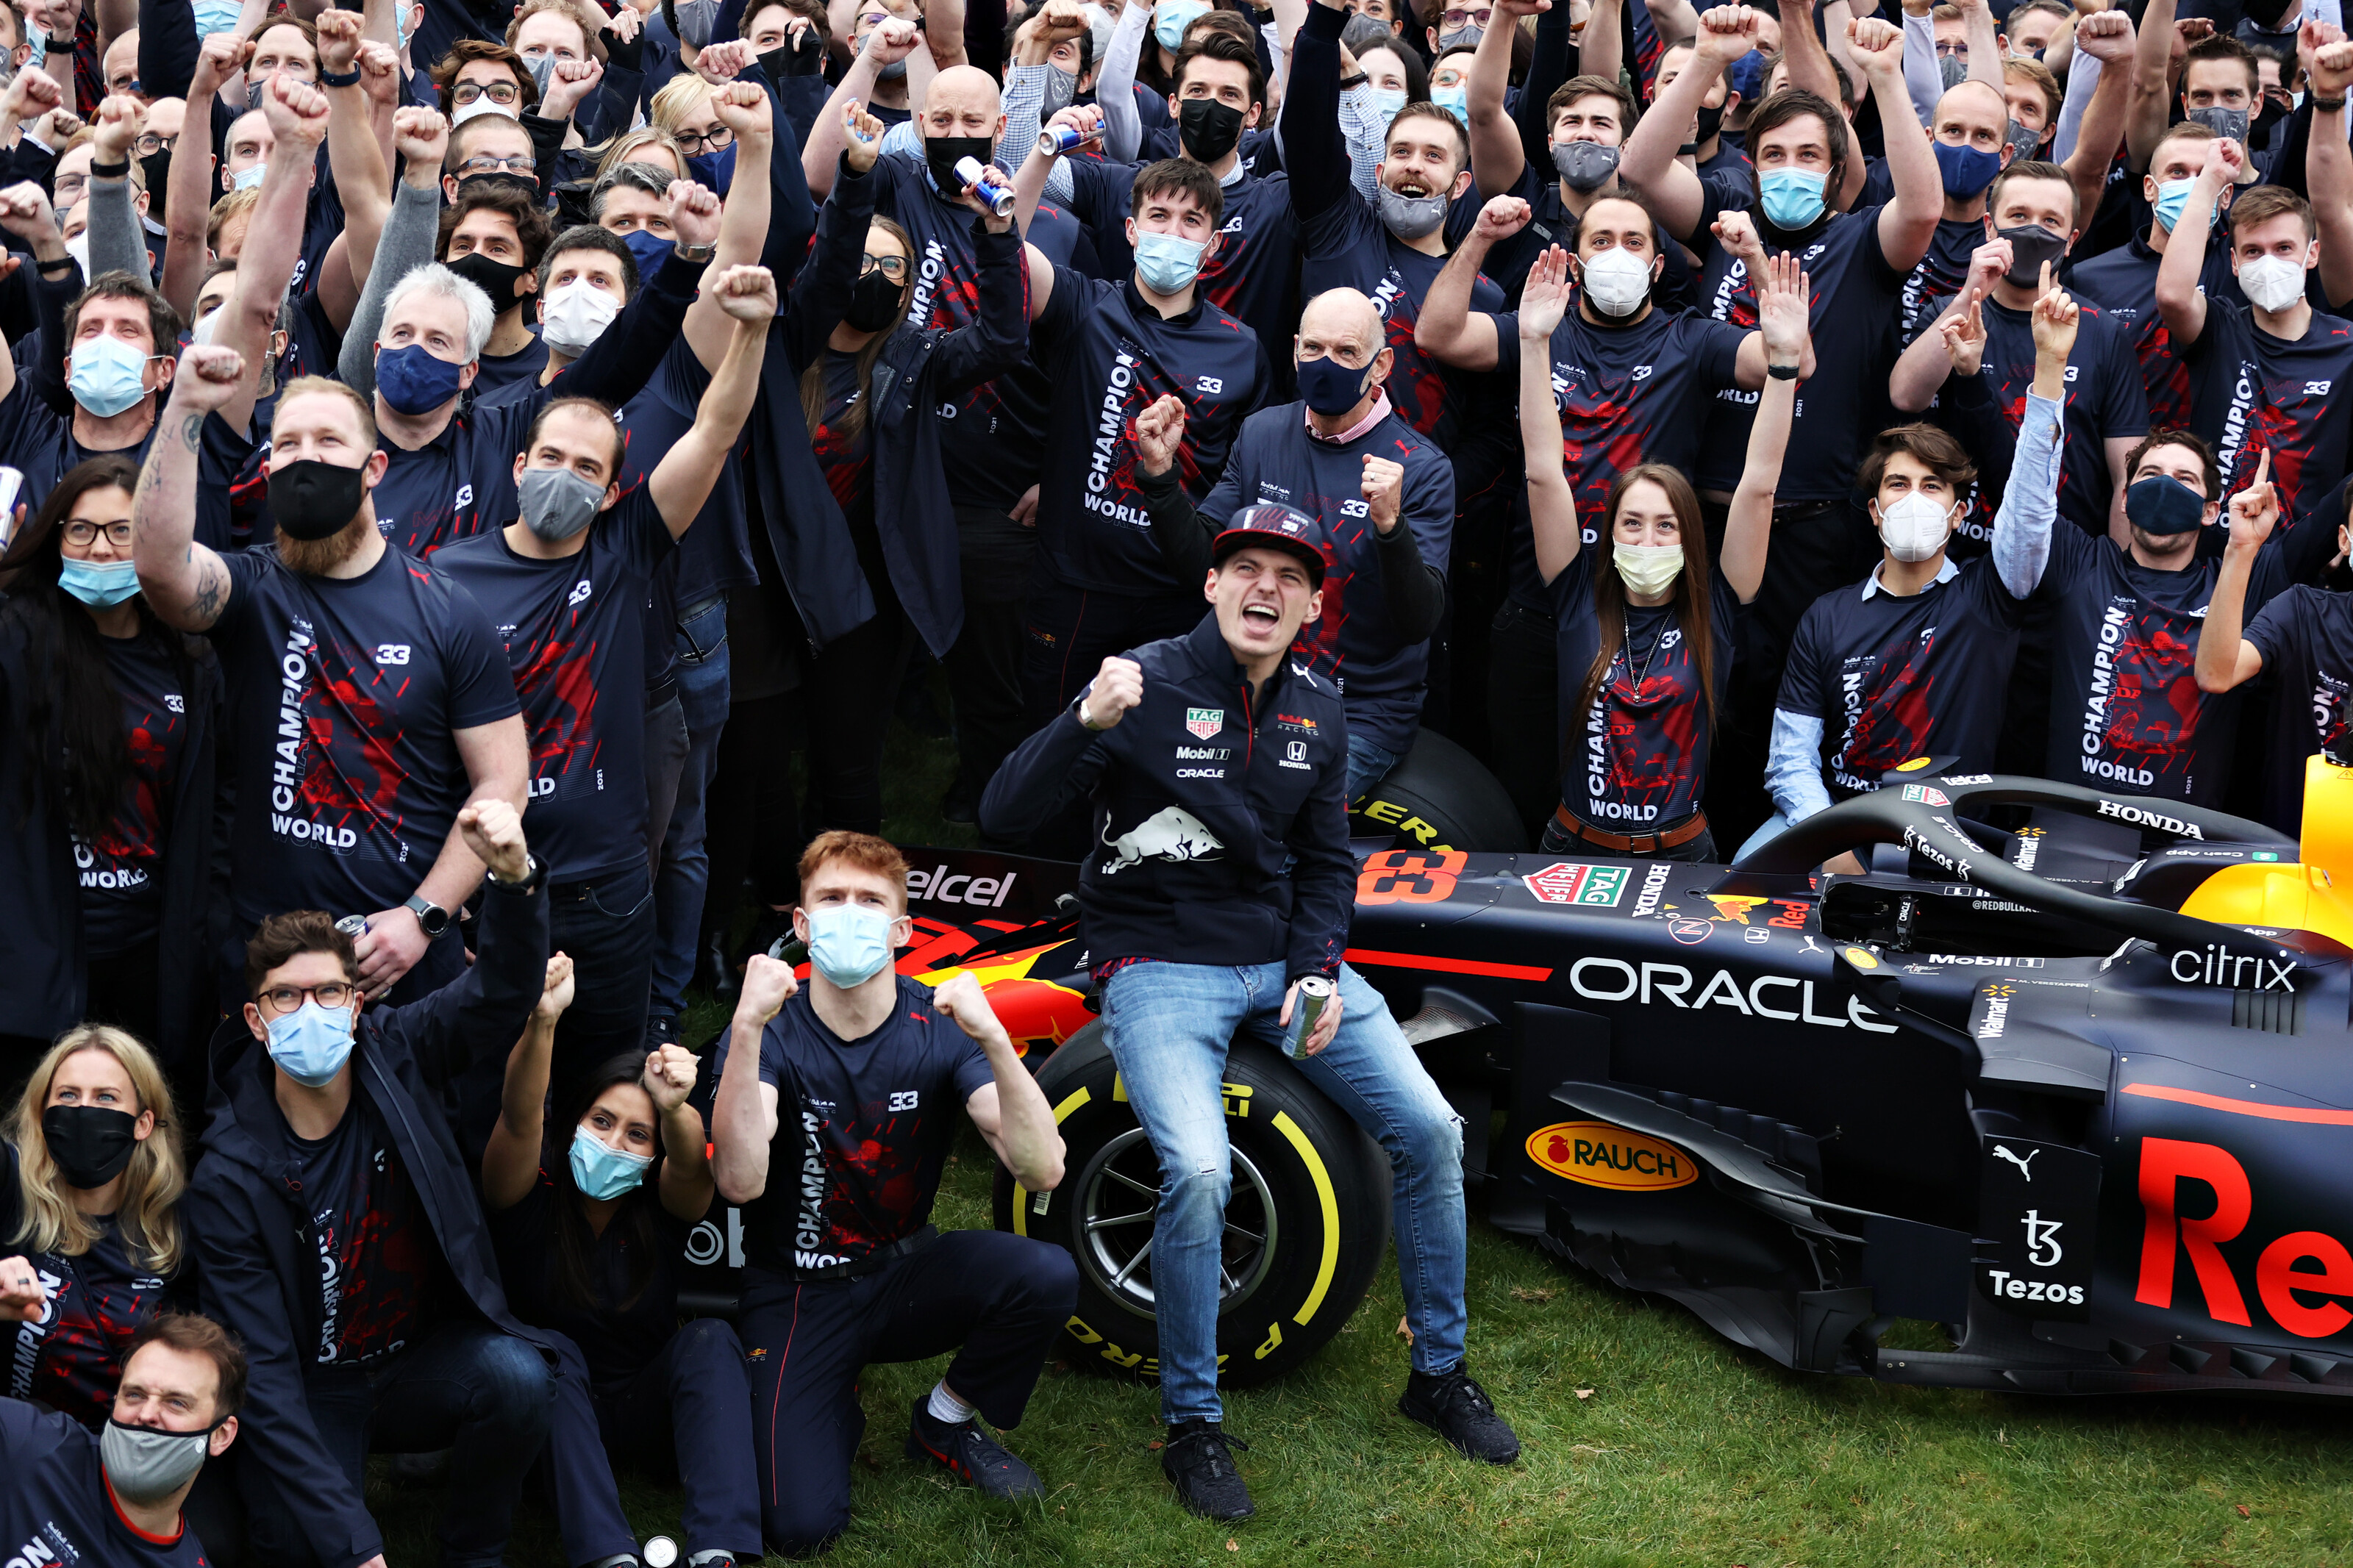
[(2217, 966)]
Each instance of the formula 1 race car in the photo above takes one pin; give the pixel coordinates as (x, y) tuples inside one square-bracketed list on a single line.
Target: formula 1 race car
[(2067, 1089)]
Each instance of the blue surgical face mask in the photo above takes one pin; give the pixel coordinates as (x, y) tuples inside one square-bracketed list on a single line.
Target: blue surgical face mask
[(246, 179), (1792, 198), (601, 1170), (714, 171), (413, 380), (1167, 264), (1170, 22), (109, 375), (848, 944), (311, 1044), (2173, 200), (98, 583), (1384, 103), (651, 250), (1456, 100), (216, 16)]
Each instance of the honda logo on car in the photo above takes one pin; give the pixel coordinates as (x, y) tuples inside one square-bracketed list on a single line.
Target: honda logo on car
[(1567, 882), (2144, 817), (1600, 1155)]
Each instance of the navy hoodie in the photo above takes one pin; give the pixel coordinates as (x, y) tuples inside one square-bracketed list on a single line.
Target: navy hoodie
[(256, 1261)]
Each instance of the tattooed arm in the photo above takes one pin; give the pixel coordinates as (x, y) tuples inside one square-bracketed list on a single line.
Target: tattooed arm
[(186, 583)]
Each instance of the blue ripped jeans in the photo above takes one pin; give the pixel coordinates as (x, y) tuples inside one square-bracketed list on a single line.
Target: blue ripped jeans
[(1168, 1026)]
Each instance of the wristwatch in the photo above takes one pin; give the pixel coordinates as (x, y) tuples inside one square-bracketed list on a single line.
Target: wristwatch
[(534, 872), (696, 252), (431, 918)]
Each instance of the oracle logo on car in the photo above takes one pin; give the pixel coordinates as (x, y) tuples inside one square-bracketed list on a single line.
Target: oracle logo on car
[(1600, 1155)]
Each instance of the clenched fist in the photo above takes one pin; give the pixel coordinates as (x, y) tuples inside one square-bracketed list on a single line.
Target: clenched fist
[(1116, 687)]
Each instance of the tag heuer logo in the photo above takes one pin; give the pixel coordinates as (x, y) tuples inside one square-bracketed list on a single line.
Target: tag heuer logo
[(1927, 795), (1205, 721), (1570, 883)]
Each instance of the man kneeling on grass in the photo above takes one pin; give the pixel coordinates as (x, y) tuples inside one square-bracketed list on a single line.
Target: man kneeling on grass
[(832, 1119)]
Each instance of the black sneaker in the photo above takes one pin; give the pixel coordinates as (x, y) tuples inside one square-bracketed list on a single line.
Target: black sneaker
[(1455, 1407), (970, 1453), (1200, 1464)]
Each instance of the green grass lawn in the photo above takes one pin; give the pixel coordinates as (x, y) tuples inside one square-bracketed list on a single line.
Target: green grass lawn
[(1648, 1441)]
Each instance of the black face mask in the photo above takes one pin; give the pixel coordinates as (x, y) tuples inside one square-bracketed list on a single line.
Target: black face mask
[(91, 1143), (311, 499), (944, 152), (492, 277), (2031, 244), (1711, 121), (1209, 129), (158, 168), (2267, 118), (874, 302), (523, 183)]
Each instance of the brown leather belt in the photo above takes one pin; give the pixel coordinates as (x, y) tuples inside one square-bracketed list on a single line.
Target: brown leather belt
[(1683, 832)]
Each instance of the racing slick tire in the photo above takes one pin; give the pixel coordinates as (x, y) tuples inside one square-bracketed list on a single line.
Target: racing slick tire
[(1307, 1225), (1439, 797)]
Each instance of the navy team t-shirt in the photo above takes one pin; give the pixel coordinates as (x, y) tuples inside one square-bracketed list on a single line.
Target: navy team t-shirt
[(1110, 355), (2105, 401), (574, 634), (714, 554), (1894, 678), (2305, 636), (1248, 277), (377, 1257), (122, 873), (862, 1129), (2125, 711), (1639, 755), (2253, 391), (55, 1510), (71, 1357), (344, 695)]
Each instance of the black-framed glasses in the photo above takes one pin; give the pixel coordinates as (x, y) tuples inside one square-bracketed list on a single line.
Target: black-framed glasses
[(149, 143), (1460, 17), (695, 142), (496, 92), (486, 163), (894, 268), (331, 994), (82, 535)]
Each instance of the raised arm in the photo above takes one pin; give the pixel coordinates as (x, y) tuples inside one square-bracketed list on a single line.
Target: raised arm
[(1810, 66), (2328, 168), (1984, 41), (2178, 299), (297, 113), (2149, 106), (1650, 162), (744, 1109), (889, 44), (26, 213), (686, 1186), (746, 110), (407, 241), (2104, 44), (1448, 329), (1909, 223), (1115, 83), (112, 239), (2030, 500), (511, 1158), (188, 202), (184, 582), (1552, 503), (1496, 157), (1930, 359), (1782, 320), (1923, 84), (1010, 1112), (682, 482), (2226, 659)]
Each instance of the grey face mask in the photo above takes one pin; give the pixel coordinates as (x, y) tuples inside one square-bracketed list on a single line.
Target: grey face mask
[(1061, 87), (542, 70), (1410, 217), (1584, 165), (1463, 37), (145, 1466), (694, 20), (2225, 122), (895, 72), (558, 503), (1952, 71), (2023, 143)]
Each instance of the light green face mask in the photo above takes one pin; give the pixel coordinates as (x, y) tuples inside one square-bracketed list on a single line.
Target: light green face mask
[(1648, 569)]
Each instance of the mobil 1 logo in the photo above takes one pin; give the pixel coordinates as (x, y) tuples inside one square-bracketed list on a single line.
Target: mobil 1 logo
[(2038, 1206)]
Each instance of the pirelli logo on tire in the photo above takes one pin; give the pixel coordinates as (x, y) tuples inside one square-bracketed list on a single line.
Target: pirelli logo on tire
[(1601, 1155)]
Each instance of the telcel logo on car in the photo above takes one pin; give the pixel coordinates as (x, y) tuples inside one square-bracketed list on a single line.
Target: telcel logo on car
[(1600, 1155)]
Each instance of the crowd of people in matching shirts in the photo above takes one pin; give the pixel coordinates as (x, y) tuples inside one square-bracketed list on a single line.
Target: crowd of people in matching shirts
[(456, 456)]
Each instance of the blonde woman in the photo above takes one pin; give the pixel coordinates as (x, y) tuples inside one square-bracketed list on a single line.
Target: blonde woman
[(683, 108), (645, 144), (91, 1177)]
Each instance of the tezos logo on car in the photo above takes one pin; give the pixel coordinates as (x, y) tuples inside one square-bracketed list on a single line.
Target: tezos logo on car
[(1600, 1155)]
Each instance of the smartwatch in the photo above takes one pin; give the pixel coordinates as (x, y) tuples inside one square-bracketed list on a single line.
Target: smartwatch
[(431, 918)]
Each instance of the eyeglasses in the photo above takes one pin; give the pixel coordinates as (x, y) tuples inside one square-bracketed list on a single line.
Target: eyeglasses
[(891, 267), (496, 92), (82, 535), (696, 142), (334, 994), (68, 188), (484, 164), (1952, 50), (1460, 17), (149, 143)]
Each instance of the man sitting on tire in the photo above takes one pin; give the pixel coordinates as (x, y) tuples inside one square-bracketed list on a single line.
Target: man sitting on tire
[(1219, 879), (841, 1267)]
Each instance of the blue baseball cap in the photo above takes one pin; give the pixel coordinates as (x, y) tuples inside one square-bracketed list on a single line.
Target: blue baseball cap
[(1273, 526)]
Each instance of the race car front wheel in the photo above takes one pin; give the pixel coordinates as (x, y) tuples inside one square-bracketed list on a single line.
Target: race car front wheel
[(1306, 1224)]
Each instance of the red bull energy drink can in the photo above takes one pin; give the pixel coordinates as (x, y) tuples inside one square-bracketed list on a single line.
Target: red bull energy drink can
[(1056, 140), (1305, 1008), (999, 199), (352, 926)]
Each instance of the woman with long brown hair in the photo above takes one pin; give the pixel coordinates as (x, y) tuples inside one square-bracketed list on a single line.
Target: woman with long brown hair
[(1646, 636), (106, 788), (91, 1177)]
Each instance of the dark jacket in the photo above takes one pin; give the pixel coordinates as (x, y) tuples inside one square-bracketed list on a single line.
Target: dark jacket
[(256, 1261), (43, 969), (919, 369), (1221, 836)]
